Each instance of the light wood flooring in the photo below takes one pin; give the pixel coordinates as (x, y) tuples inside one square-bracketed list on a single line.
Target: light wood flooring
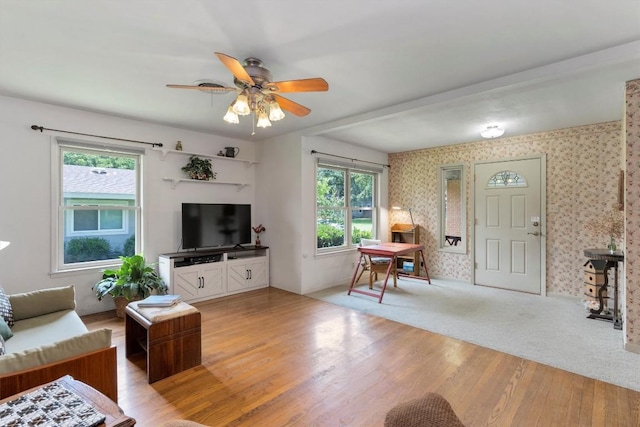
[(273, 358)]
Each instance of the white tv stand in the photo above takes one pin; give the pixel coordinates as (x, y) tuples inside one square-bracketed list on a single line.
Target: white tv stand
[(213, 273)]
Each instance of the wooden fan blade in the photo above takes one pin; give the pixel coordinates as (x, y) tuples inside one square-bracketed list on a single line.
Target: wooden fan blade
[(303, 85), (292, 107), (235, 67), (207, 88)]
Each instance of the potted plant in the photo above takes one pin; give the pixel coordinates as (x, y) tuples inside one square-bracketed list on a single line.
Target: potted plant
[(134, 280), (198, 168)]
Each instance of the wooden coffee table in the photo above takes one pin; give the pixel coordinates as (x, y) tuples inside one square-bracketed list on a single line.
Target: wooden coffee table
[(104, 405), (170, 337)]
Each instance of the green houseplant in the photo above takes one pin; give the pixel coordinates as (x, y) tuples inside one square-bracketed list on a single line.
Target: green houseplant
[(134, 280), (198, 168)]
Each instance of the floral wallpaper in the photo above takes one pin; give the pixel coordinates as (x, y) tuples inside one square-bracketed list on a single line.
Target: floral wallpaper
[(583, 166), (631, 317)]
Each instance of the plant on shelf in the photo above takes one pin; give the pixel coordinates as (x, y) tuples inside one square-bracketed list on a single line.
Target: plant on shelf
[(134, 280), (198, 168), (258, 229), (610, 225)]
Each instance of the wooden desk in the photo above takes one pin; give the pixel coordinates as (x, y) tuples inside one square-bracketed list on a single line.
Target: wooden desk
[(612, 262), (104, 405), (391, 251)]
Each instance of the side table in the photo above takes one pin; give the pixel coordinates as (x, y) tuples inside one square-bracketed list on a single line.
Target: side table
[(612, 260), (170, 337), (115, 417)]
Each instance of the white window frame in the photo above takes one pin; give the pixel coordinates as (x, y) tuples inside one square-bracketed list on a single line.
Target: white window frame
[(96, 205), (347, 209), (60, 145)]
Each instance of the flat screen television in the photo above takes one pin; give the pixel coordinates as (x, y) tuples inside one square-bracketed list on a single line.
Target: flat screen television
[(209, 225)]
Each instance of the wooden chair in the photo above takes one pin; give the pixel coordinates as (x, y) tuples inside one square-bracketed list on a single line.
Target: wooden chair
[(375, 265)]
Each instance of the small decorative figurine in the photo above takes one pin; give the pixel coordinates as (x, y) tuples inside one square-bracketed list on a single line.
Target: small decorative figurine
[(179, 146), (259, 229)]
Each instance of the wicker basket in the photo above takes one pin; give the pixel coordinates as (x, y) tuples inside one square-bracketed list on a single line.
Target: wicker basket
[(121, 302)]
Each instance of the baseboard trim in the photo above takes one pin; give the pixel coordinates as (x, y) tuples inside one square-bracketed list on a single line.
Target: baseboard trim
[(633, 348)]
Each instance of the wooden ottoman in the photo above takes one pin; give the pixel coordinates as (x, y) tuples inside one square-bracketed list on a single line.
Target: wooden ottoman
[(170, 336)]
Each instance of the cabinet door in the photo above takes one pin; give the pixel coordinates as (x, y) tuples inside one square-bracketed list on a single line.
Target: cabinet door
[(187, 282), (257, 273), (212, 276), (237, 275)]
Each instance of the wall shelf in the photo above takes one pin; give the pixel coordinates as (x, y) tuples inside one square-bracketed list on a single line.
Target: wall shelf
[(164, 152), (176, 181)]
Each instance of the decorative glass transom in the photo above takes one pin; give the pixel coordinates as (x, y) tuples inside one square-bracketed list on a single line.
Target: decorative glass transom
[(506, 179)]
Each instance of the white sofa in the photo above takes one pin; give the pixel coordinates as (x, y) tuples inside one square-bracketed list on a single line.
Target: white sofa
[(50, 340)]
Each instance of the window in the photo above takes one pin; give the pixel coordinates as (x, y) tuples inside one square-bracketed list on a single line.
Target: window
[(92, 221), (346, 206), (506, 179), (98, 206)]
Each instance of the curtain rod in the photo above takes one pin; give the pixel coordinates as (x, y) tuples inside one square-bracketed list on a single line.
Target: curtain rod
[(348, 158), (40, 128)]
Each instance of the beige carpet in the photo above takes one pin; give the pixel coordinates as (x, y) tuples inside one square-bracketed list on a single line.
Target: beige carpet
[(549, 330)]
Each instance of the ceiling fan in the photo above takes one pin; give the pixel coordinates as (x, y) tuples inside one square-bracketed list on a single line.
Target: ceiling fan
[(257, 93)]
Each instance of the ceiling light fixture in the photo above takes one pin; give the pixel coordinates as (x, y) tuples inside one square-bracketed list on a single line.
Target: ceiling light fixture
[(263, 120), (275, 112), (241, 104), (492, 132), (231, 116), (265, 108)]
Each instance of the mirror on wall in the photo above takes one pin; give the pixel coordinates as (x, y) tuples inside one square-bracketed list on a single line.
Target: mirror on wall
[(452, 218)]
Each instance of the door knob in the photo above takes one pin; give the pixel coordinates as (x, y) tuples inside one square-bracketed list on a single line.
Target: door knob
[(535, 233)]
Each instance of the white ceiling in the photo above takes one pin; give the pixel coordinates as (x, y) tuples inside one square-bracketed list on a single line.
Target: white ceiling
[(403, 74)]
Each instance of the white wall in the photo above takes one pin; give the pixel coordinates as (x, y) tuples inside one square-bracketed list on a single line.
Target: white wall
[(289, 184), (281, 191), (278, 195), (25, 189)]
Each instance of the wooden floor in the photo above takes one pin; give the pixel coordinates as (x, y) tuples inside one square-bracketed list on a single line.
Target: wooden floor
[(272, 358)]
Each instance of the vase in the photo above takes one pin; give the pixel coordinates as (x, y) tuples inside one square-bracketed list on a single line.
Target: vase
[(258, 243), (612, 245)]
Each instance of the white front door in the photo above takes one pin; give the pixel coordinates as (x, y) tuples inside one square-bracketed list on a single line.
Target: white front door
[(509, 232)]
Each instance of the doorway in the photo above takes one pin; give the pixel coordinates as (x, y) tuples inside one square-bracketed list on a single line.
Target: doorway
[(510, 227)]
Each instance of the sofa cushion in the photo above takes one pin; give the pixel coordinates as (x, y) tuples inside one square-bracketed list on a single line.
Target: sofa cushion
[(45, 329), (6, 310), (55, 352), (5, 330), (37, 303)]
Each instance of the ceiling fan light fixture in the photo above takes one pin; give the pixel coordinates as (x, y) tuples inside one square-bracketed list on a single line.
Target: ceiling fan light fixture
[(256, 92), (263, 120), (241, 106), (275, 112), (492, 132), (231, 116)]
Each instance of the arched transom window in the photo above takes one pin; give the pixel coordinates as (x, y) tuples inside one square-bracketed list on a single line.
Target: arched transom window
[(506, 179)]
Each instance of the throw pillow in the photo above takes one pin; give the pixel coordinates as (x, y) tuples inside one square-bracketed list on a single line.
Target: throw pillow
[(2, 350), (5, 330), (5, 308)]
